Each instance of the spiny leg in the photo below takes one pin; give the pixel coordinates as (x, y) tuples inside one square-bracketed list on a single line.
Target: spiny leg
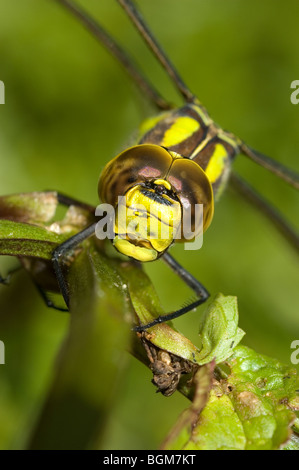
[(286, 174), (48, 302), (193, 283), (254, 198), (43, 294), (61, 251), (66, 201), (156, 49), (6, 280), (70, 201), (118, 52)]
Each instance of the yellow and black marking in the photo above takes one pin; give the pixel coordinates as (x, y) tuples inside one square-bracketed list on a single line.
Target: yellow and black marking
[(186, 154), (148, 221), (182, 160), (158, 189), (190, 132)]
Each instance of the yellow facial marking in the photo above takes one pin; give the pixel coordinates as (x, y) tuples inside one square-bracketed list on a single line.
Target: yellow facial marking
[(146, 223), (139, 253), (164, 183), (217, 163), (181, 129)]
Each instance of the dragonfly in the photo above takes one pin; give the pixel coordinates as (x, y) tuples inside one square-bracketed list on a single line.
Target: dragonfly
[(182, 158)]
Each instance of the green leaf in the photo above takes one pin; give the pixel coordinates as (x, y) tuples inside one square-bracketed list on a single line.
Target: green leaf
[(218, 428), (179, 435), (22, 239), (23, 229), (91, 363), (252, 408), (219, 332), (34, 207), (265, 397), (293, 443), (147, 307)]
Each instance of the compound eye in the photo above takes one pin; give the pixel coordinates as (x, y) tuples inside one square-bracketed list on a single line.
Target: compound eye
[(133, 166), (192, 187)]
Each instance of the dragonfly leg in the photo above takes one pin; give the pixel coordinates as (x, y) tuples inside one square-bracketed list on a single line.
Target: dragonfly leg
[(286, 174), (66, 201), (116, 50), (70, 201), (62, 250), (193, 283), (135, 16), (6, 280), (272, 214), (49, 303), (42, 292)]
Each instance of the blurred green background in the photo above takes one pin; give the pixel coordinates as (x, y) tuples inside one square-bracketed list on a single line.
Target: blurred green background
[(69, 109)]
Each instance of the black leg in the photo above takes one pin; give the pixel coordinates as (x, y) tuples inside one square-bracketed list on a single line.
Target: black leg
[(118, 52), (254, 198), (47, 300), (70, 201), (286, 174), (66, 201), (41, 291), (6, 280), (156, 49), (193, 283), (61, 251), (63, 248)]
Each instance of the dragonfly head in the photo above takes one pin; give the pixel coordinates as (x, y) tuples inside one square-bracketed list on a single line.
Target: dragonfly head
[(151, 190)]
